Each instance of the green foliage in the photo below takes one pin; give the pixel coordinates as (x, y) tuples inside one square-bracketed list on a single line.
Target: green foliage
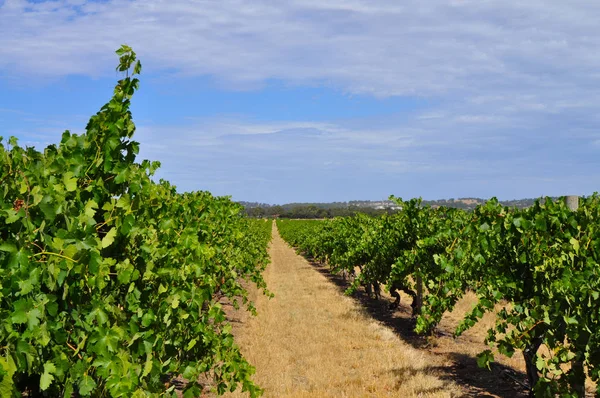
[(110, 282), (543, 262), (540, 265)]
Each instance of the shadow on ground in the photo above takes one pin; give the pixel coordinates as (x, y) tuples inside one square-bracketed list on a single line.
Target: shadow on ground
[(500, 381)]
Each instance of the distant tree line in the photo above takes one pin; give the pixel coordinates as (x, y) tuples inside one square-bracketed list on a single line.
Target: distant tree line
[(343, 209), (311, 211)]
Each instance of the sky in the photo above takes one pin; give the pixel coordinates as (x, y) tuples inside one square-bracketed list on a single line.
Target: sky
[(323, 100)]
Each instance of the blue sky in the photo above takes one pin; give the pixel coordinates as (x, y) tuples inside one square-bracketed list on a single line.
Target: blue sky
[(315, 100)]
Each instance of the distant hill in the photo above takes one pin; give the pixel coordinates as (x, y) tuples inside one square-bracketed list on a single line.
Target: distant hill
[(471, 203), (354, 205)]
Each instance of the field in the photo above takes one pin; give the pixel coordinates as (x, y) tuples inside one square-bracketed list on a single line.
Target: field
[(311, 341), (115, 285)]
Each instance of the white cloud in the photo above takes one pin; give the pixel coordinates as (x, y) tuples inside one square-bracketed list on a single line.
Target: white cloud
[(514, 86), (260, 149), (478, 119), (378, 47), (13, 111)]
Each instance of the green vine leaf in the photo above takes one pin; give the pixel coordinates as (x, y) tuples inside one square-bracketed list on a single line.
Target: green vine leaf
[(109, 238), (47, 377)]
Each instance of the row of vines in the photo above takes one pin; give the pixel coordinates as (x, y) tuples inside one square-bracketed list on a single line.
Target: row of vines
[(540, 265), (112, 284)]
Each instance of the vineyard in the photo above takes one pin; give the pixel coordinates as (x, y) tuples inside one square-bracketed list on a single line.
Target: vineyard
[(111, 283), (114, 284), (540, 265)]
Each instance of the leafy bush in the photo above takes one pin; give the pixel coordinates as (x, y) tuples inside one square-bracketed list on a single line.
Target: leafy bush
[(110, 282)]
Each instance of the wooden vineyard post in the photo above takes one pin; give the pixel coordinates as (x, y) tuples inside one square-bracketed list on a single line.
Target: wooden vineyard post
[(572, 202)]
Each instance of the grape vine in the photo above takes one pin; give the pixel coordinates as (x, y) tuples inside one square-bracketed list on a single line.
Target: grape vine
[(540, 265), (111, 283)]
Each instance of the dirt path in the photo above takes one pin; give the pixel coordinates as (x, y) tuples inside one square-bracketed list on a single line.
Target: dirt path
[(311, 341)]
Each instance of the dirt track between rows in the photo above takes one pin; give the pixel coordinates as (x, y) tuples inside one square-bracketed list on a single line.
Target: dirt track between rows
[(312, 341)]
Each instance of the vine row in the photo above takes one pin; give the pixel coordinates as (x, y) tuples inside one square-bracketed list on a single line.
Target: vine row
[(536, 269), (111, 284)]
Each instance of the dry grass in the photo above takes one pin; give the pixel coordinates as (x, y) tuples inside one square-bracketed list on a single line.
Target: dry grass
[(477, 334), (472, 340), (311, 341)]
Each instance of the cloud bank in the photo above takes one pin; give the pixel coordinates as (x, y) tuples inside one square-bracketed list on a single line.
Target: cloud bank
[(514, 88), (362, 46)]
